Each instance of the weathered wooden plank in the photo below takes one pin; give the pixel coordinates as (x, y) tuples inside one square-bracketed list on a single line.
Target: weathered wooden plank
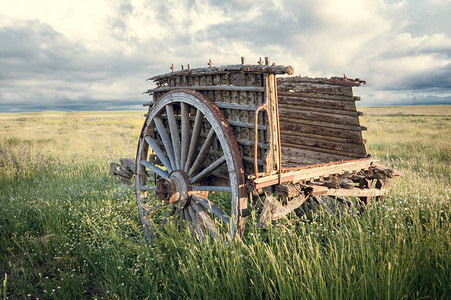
[(291, 93), (321, 122), (236, 106), (293, 156), (208, 88), (273, 209), (322, 150), (295, 139), (299, 113), (225, 69), (372, 192), (312, 172), (307, 101), (314, 88), (325, 110), (309, 128)]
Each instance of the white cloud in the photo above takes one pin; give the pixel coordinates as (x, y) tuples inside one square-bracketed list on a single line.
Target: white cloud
[(102, 50)]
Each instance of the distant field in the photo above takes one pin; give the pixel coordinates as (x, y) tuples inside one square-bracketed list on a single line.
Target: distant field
[(68, 231)]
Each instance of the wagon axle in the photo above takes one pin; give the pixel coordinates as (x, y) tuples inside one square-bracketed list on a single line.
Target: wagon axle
[(174, 189)]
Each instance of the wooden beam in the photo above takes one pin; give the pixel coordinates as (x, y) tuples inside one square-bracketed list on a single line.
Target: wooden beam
[(208, 88), (312, 172), (372, 192), (299, 113)]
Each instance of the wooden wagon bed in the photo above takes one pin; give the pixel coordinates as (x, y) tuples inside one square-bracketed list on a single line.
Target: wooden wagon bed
[(241, 130)]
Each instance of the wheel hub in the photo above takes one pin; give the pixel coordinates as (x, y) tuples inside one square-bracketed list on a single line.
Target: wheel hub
[(175, 188)]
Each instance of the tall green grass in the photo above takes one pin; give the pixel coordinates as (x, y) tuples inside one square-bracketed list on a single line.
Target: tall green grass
[(67, 231)]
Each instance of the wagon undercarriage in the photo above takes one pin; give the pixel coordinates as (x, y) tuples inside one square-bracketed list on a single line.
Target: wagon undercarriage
[(236, 130)]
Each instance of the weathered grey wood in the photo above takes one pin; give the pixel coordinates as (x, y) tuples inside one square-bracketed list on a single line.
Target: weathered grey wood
[(209, 169), (211, 207), (273, 209), (204, 188), (174, 130), (166, 141), (159, 153), (293, 139), (309, 156), (197, 223), (236, 106), (293, 113), (208, 222), (322, 130), (155, 169), (247, 125), (314, 172), (372, 192), (185, 133), (321, 122), (207, 88), (189, 221), (348, 98), (203, 152), (311, 101), (194, 140), (147, 187), (323, 110), (225, 69), (125, 171)]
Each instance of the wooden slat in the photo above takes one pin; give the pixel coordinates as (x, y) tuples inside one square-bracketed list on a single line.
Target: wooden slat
[(225, 69), (307, 101), (322, 150), (315, 88), (314, 172), (208, 88), (299, 113), (321, 122), (356, 192), (305, 156), (325, 110), (296, 139), (309, 128), (323, 97)]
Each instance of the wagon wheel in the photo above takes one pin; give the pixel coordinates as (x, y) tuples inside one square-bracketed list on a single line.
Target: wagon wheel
[(190, 147)]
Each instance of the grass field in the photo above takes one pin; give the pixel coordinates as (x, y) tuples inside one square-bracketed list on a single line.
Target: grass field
[(68, 231)]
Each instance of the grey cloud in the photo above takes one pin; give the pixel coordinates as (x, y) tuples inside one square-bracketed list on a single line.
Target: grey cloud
[(272, 26), (436, 80), (68, 105), (39, 51)]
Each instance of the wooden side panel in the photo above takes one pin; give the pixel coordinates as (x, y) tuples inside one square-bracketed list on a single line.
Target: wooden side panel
[(319, 122), (237, 106)]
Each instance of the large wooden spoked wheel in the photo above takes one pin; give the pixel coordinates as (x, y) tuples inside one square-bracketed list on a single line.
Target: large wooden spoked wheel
[(186, 152)]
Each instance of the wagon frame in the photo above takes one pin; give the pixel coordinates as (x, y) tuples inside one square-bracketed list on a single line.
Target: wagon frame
[(236, 129)]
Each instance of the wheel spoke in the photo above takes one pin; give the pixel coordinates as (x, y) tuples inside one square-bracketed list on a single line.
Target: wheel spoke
[(155, 169), (197, 222), (147, 187), (189, 221), (168, 214), (209, 169), (173, 128), (210, 206), (152, 143), (156, 208), (194, 140), (202, 153), (166, 141), (207, 188), (208, 222), (185, 133)]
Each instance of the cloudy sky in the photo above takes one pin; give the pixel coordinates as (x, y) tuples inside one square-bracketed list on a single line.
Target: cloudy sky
[(96, 55)]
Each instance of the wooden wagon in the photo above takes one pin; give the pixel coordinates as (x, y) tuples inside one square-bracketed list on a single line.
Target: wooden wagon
[(237, 131)]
